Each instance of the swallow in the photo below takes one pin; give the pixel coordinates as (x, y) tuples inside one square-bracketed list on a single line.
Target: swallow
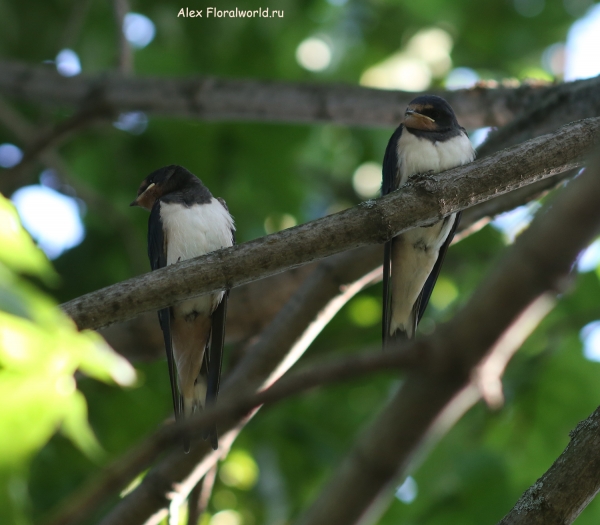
[(429, 140), (187, 221)]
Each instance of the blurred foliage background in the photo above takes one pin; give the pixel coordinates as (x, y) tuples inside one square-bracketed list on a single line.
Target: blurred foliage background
[(274, 176)]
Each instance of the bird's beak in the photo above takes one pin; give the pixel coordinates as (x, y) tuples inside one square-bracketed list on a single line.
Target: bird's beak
[(138, 201), (415, 120), (411, 113)]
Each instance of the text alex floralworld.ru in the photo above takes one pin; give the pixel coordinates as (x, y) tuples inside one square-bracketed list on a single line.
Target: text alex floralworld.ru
[(213, 12)]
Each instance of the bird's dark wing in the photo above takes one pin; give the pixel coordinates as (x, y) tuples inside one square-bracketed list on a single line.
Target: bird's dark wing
[(157, 253), (214, 359), (390, 162), (388, 184), (215, 353), (425, 294)]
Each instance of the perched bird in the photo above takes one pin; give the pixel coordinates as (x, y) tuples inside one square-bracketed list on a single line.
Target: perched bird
[(429, 140), (187, 221)]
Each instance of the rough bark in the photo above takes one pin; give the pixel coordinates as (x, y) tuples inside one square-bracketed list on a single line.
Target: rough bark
[(538, 264), (311, 307), (554, 107), (254, 305), (211, 98), (422, 201), (571, 483)]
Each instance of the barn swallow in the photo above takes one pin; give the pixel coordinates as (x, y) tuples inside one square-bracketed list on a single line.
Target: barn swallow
[(429, 140), (187, 221)]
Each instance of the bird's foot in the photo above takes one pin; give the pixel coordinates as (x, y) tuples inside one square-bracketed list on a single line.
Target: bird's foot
[(426, 181)]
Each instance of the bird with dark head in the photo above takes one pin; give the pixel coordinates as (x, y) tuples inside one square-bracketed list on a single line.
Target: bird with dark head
[(187, 221), (429, 140)]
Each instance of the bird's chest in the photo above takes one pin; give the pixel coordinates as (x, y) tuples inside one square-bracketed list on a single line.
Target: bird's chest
[(195, 230), (420, 155)]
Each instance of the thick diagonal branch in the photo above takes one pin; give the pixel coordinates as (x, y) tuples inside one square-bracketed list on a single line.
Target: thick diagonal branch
[(569, 485), (324, 291), (538, 264), (423, 201), (254, 305)]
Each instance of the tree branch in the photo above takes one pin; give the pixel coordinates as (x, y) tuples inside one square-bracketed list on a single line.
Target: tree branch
[(257, 366), (325, 290), (26, 132), (36, 144), (150, 497), (323, 293), (561, 494), (554, 107), (125, 61), (200, 496), (538, 264), (120, 472), (420, 202), (252, 306), (211, 98)]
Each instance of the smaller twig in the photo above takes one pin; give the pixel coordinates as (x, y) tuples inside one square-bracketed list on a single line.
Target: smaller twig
[(125, 60), (200, 496), (23, 131), (37, 145), (119, 473), (75, 23)]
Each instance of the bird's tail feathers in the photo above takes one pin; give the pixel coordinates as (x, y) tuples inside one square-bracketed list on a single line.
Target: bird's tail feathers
[(403, 331)]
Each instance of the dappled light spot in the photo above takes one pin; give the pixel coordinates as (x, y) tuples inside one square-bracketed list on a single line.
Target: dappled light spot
[(224, 499), (590, 337), (398, 72), (275, 223), (134, 122), (239, 470), (67, 63), (479, 136), (51, 218), (535, 74), (10, 155), (433, 46), (314, 54), (426, 56), (553, 59), (366, 180), (461, 78), (444, 293), (583, 43), (138, 29), (226, 517), (589, 258), (513, 222), (529, 8), (364, 311), (407, 492), (49, 179)]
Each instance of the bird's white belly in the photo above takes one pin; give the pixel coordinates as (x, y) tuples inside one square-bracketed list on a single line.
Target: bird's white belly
[(419, 155), (191, 232), (416, 251)]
